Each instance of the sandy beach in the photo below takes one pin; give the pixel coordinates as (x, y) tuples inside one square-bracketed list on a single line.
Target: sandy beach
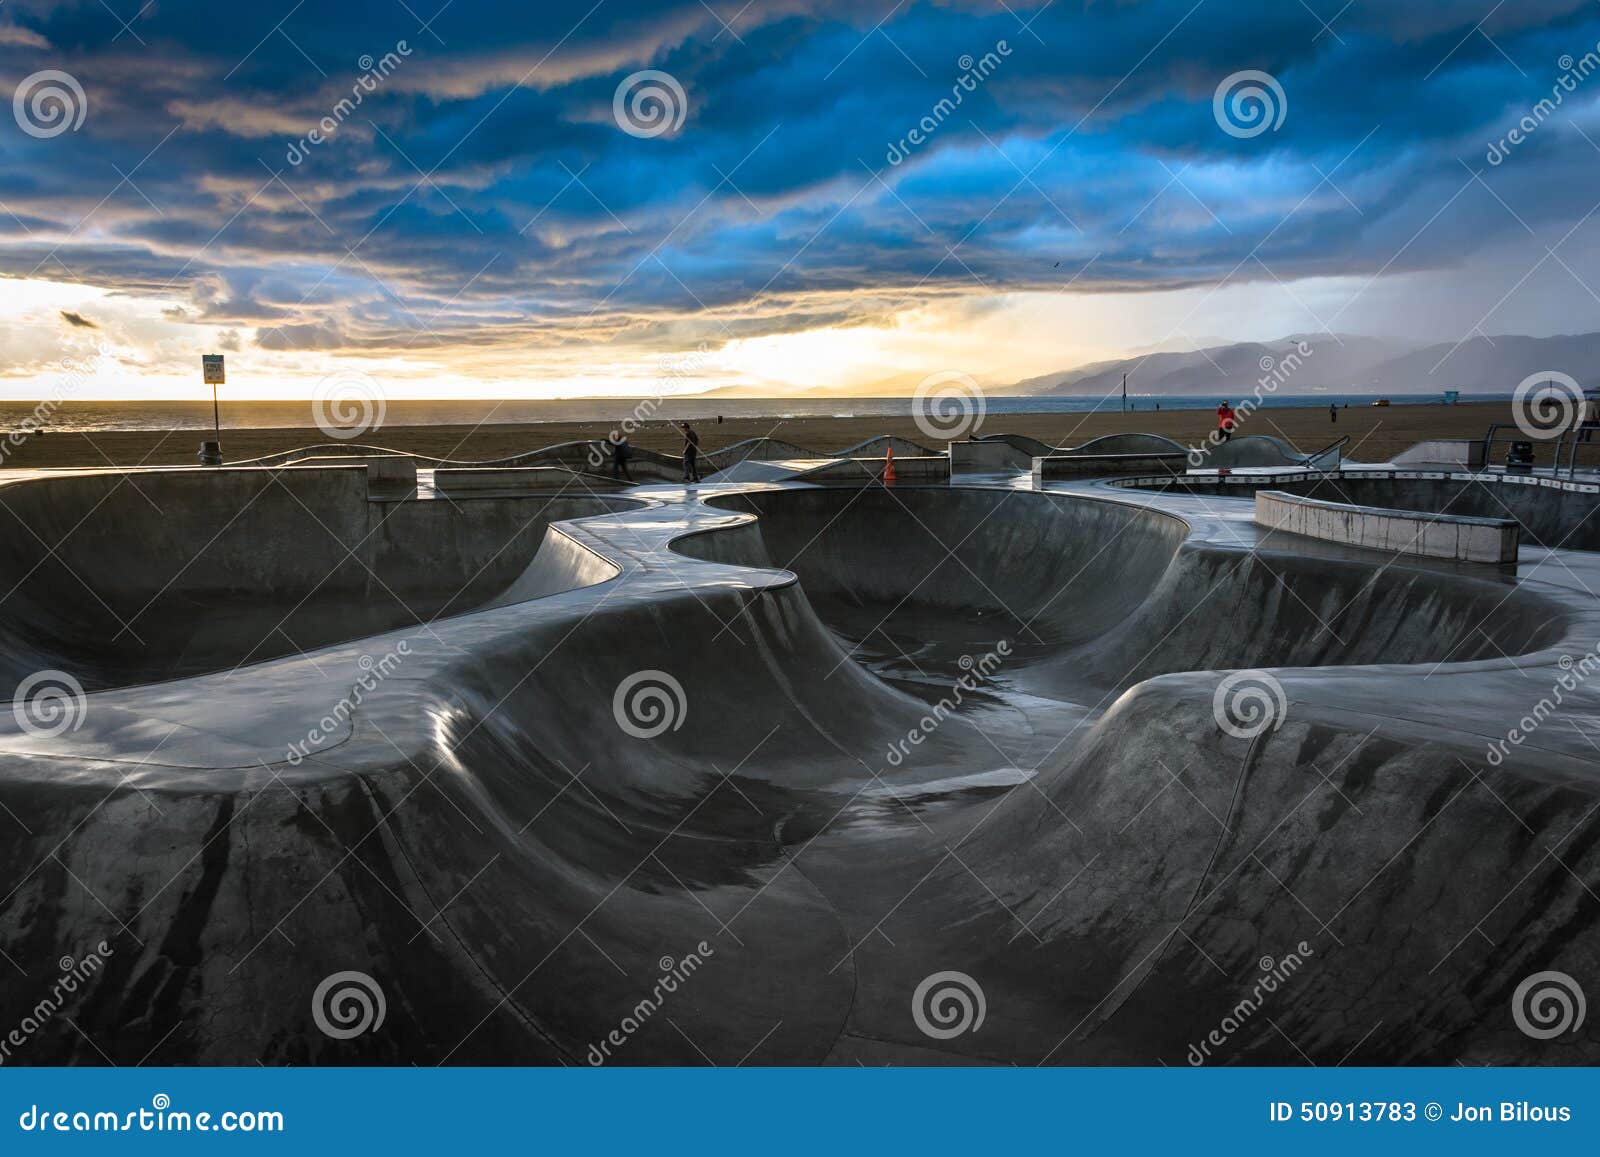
[(1376, 434)]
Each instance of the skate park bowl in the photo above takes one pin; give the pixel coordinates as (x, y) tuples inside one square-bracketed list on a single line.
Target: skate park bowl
[(735, 774), (124, 579), (1094, 595)]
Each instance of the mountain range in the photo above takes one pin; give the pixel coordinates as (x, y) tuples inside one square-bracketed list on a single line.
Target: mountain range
[(1332, 363)]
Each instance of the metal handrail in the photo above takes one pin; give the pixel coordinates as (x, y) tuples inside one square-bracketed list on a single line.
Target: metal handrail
[(1566, 444), (1336, 444)]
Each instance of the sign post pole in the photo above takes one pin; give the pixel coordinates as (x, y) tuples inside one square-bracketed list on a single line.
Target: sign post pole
[(211, 368)]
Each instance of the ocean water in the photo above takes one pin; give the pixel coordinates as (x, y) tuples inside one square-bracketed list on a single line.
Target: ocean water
[(91, 417)]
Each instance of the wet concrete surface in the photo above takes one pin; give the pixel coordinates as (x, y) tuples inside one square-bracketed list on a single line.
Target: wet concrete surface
[(763, 772)]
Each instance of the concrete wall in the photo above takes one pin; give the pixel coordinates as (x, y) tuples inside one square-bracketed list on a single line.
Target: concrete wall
[(987, 455), (1105, 465), (454, 479), (122, 578), (930, 468), (1464, 453), (1463, 539)]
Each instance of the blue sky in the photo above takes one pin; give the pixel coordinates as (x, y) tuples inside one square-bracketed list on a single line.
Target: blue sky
[(483, 221)]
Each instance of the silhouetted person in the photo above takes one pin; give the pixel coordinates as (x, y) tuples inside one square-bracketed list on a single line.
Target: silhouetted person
[(620, 451), (1224, 422), (1333, 413), (691, 453)]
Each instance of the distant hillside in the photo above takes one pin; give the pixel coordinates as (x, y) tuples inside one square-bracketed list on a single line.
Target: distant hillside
[(1342, 364)]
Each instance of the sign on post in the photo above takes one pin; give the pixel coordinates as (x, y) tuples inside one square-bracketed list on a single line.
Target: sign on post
[(211, 367)]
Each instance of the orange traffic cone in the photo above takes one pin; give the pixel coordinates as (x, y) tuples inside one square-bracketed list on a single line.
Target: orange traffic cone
[(888, 469)]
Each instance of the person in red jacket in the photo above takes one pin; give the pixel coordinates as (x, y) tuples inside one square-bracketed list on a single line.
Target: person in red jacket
[(1224, 422)]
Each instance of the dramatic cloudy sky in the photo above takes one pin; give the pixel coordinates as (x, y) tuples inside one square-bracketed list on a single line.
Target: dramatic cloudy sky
[(481, 224)]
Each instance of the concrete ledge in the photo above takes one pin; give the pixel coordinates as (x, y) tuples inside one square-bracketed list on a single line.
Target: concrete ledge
[(1456, 453), (1490, 540), (921, 468), (988, 455), (456, 479), (1106, 465)]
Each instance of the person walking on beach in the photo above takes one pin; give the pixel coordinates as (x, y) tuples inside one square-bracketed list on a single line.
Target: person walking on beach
[(620, 450), (1224, 422), (1333, 413), (691, 453)]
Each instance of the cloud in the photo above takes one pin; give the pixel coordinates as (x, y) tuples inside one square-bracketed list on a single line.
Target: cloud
[(480, 197), (77, 320)]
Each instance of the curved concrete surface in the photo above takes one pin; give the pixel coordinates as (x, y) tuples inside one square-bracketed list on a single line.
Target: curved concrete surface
[(1255, 450), (122, 579), (534, 866)]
